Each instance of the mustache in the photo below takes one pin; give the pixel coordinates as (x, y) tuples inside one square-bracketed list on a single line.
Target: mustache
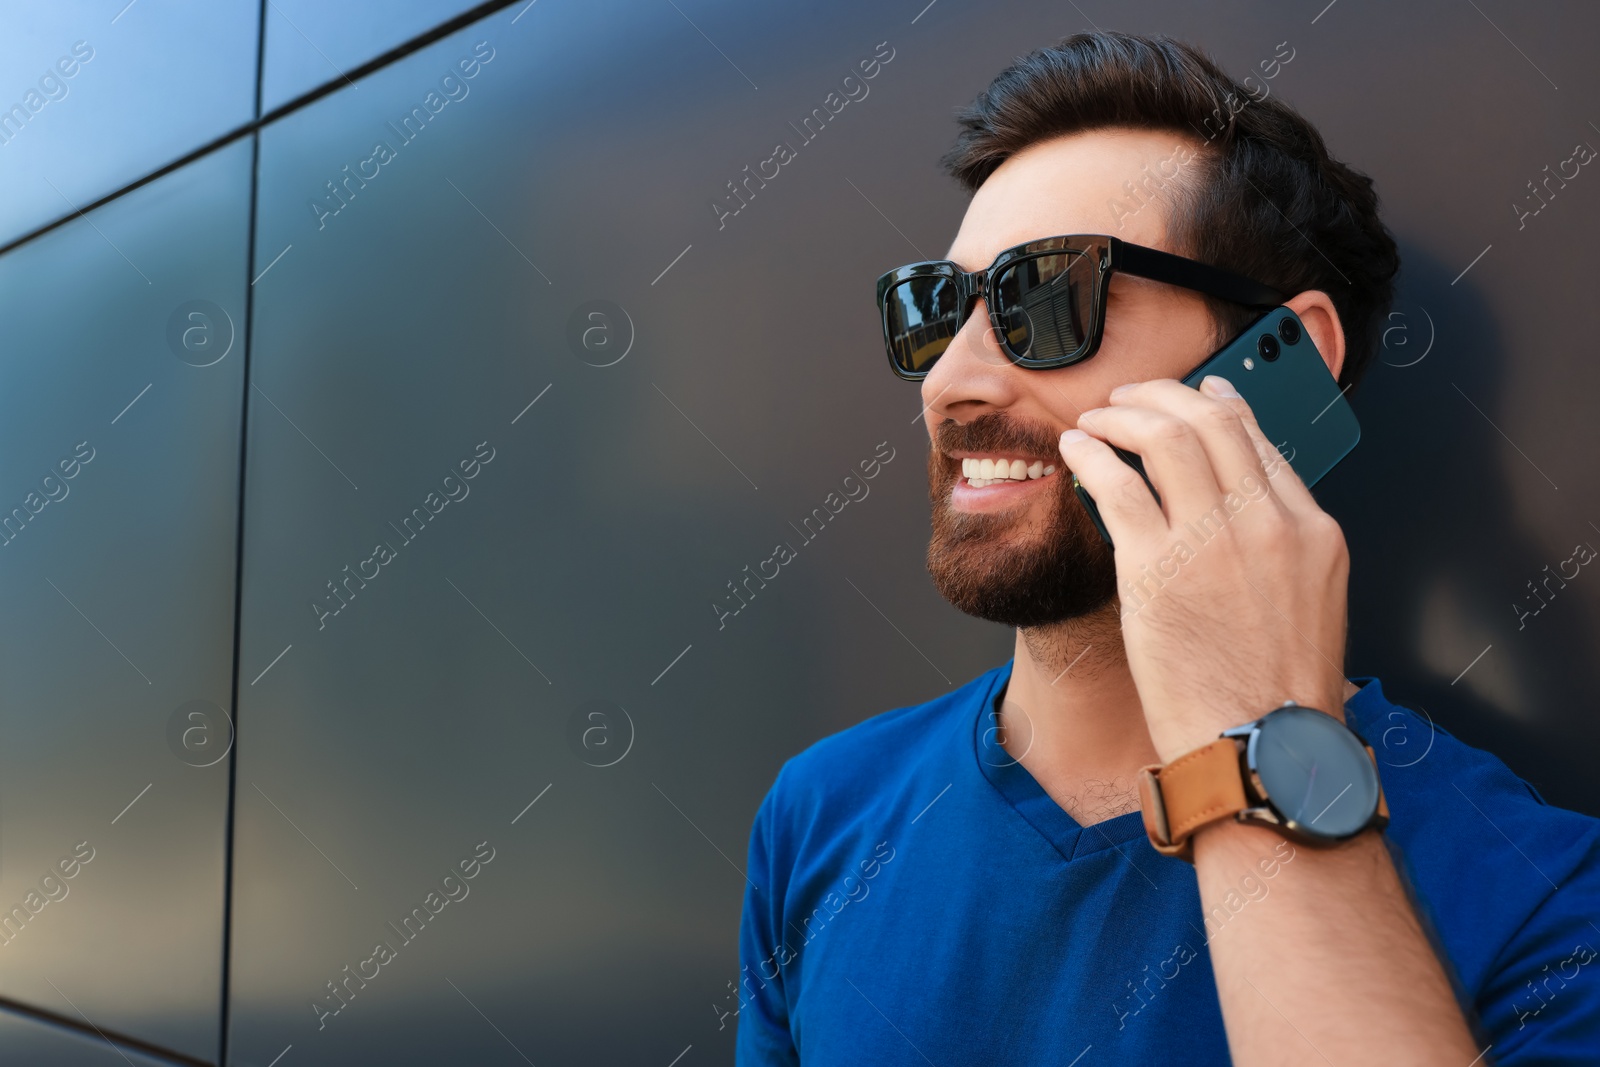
[(997, 432)]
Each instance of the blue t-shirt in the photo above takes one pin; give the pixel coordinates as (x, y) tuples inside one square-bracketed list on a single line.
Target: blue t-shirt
[(916, 898)]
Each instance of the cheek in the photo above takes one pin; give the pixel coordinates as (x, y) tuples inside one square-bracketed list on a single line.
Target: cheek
[(1155, 335), (1070, 391)]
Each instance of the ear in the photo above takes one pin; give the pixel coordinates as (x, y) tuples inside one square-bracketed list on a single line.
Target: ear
[(1321, 320)]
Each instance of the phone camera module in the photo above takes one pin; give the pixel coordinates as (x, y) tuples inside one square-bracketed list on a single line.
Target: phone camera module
[(1267, 346), (1289, 330)]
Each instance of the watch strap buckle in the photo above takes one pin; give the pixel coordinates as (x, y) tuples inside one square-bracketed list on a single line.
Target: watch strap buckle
[(1153, 808), (1209, 786)]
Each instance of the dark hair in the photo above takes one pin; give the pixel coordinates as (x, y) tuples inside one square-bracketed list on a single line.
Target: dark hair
[(1265, 198)]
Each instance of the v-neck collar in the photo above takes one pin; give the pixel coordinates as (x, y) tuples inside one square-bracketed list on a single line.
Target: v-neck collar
[(1027, 797)]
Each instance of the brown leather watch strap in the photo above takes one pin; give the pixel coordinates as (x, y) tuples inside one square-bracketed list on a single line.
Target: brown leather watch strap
[(1382, 818), (1191, 791)]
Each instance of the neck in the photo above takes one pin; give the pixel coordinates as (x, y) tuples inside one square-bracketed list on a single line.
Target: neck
[(1071, 715)]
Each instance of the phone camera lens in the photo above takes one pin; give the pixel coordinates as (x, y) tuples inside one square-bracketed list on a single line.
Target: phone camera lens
[(1289, 330), (1268, 347)]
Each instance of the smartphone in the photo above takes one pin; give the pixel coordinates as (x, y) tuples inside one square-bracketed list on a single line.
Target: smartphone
[(1298, 404)]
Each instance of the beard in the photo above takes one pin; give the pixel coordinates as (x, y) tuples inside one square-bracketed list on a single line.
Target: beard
[(990, 564)]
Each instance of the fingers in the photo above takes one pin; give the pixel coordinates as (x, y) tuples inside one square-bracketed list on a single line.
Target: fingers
[(1285, 482), (1174, 456), (1216, 428), (1125, 504), (1201, 449)]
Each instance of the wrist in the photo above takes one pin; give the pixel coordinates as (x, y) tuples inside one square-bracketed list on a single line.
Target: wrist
[(1174, 735), (1228, 841)]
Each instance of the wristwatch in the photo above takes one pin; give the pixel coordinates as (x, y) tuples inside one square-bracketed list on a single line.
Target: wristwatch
[(1298, 770)]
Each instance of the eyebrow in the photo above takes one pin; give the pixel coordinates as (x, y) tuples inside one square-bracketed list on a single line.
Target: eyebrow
[(949, 255)]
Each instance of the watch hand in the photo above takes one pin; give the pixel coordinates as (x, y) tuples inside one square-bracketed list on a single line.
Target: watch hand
[(1289, 751), (1310, 783)]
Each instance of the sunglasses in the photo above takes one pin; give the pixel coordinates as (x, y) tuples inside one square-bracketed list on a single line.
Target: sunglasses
[(1046, 299)]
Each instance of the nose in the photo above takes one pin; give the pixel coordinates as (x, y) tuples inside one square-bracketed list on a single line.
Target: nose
[(973, 376)]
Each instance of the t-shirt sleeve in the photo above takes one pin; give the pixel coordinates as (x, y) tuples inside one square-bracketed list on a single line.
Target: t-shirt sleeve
[(1541, 1005), (763, 1038)]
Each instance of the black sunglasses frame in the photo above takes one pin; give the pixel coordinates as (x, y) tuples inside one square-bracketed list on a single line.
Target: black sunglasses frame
[(1110, 255)]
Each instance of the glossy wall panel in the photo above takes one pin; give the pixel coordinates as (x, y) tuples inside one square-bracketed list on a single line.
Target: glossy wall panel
[(310, 42), (38, 1044), (98, 93), (557, 615), (120, 396), (579, 496), (549, 659)]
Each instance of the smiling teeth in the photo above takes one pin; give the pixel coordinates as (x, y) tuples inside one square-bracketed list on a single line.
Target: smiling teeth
[(984, 472)]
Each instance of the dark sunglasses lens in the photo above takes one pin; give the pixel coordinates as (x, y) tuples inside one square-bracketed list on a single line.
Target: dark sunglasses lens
[(919, 319), (1045, 305)]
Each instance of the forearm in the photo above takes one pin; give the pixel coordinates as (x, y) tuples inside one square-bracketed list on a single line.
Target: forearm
[(1330, 964)]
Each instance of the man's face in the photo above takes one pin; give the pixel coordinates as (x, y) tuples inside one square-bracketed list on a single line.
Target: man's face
[(1025, 553)]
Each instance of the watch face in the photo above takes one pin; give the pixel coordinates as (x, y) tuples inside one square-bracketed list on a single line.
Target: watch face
[(1315, 772)]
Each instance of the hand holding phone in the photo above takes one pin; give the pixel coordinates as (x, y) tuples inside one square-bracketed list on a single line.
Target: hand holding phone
[(1232, 588), (1297, 403)]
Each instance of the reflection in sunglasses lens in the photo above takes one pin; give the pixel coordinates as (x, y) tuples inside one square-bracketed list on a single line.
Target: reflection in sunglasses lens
[(1044, 305), (921, 319)]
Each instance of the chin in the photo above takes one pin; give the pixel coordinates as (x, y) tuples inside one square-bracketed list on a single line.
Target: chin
[(1023, 568), (1012, 544)]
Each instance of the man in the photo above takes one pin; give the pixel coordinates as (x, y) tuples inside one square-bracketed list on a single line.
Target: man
[(972, 880)]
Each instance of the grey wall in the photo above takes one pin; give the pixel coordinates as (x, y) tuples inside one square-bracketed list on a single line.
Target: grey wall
[(647, 398)]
